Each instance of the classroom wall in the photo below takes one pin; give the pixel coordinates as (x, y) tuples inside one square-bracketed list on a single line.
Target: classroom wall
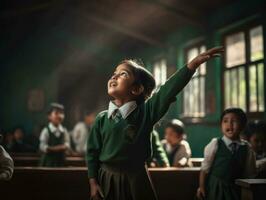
[(218, 22), (53, 59)]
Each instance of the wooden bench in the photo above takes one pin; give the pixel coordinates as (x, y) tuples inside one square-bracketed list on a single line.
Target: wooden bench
[(252, 189), (32, 161), (196, 161), (72, 183)]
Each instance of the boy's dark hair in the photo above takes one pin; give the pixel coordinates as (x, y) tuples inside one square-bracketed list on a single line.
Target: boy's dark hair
[(255, 127), (142, 77), (177, 125), (55, 107), (239, 112), (251, 128)]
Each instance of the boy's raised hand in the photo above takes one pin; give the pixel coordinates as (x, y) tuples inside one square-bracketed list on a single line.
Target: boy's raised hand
[(203, 57)]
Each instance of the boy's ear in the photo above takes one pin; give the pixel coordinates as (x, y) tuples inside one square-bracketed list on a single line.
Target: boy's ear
[(137, 90)]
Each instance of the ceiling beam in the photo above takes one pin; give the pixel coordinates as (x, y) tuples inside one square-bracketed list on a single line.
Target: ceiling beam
[(180, 13), (124, 30)]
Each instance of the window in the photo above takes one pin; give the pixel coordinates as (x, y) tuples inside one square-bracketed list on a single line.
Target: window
[(194, 92), (160, 72), (244, 70)]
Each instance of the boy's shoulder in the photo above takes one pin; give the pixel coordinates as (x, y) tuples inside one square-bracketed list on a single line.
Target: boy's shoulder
[(101, 115), (245, 142), (1, 149)]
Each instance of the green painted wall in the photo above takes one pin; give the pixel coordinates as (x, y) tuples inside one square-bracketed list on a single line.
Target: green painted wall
[(218, 22), (39, 59)]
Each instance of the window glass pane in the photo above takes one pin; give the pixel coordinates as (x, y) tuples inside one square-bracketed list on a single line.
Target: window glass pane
[(252, 89), (242, 88), (233, 90), (256, 43), (163, 71), (191, 99), (156, 73), (261, 86), (202, 67), (192, 53), (202, 95), (185, 102), (196, 96), (227, 87), (235, 49), (160, 72)]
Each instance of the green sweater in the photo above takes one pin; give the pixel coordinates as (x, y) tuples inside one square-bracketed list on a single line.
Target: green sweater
[(128, 141), (158, 152)]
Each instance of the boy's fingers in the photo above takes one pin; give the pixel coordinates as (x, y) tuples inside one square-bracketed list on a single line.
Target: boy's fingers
[(216, 55), (214, 50), (204, 59)]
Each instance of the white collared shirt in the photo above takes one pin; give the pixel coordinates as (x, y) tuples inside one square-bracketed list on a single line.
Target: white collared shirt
[(79, 136), (211, 149), (125, 109), (181, 157), (57, 131)]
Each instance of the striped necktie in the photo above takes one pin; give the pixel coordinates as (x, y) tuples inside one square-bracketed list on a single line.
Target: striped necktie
[(116, 116), (233, 146)]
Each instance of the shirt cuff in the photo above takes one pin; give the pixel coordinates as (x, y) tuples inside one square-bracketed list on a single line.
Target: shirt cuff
[(67, 145), (44, 148), (92, 171)]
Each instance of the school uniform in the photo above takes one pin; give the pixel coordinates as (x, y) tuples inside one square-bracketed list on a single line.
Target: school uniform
[(224, 162), (52, 136), (158, 156), (80, 136), (178, 154), (119, 142), (6, 165)]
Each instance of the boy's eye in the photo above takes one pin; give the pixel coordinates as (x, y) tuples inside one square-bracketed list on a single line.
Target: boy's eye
[(124, 74)]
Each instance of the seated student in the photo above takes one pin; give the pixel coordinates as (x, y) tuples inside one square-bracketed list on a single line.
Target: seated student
[(226, 159), (176, 147), (8, 141), (19, 143), (255, 133), (159, 157), (6, 164), (81, 132), (54, 138)]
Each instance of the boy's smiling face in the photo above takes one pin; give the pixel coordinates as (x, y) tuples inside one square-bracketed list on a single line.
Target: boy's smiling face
[(121, 84), (56, 117)]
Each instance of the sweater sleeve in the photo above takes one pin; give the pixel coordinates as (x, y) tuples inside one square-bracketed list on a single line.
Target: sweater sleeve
[(94, 145), (159, 103), (158, 151), (6, 166)]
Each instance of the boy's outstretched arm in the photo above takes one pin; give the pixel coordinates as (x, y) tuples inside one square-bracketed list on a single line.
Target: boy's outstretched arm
[(204, 57), (159, 103)]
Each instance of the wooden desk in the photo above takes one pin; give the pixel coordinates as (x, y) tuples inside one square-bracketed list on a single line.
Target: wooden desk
[(38, 183), (252, 189)]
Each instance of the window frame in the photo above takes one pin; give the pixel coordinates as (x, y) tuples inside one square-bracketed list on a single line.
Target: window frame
[(194, 119), (159, 58), (246, 30)]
